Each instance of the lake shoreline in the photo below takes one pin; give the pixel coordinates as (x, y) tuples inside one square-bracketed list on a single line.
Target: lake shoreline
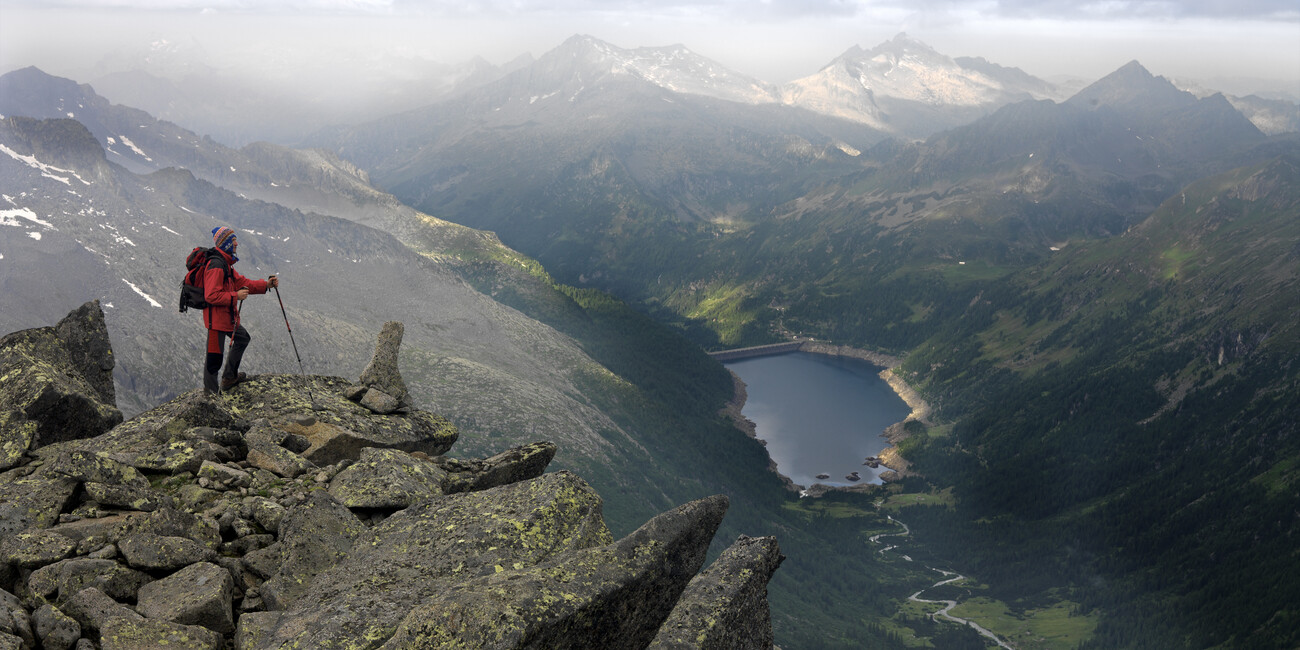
[(893, 434)]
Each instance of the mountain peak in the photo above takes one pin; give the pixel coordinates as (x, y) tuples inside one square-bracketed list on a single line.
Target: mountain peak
[(1132, 86), (672, 67)]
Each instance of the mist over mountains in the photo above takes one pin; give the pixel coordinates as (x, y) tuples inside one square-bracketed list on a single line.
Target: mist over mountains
[(1096, 286), (902, 87)]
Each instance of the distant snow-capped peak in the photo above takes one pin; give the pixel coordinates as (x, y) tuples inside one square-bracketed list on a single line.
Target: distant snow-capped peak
[(906, 69), (672, 67)]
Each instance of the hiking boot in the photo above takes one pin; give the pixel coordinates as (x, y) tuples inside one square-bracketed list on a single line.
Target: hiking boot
[(227, 382)]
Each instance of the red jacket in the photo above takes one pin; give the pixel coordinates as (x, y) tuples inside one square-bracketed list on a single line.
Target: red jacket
[(223, 315)]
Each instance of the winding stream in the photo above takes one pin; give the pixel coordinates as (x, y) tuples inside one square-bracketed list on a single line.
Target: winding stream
[(948, 604)]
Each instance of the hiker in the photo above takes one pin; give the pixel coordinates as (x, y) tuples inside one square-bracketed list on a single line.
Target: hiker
[(223, 288)]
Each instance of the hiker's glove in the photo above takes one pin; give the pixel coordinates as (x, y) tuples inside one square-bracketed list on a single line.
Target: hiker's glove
[(273, 282), (241, 294)]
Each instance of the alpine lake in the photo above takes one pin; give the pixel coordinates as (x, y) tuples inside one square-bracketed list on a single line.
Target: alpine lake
[(819, 415)]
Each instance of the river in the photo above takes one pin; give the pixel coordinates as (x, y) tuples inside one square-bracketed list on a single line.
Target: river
[(819, 414)]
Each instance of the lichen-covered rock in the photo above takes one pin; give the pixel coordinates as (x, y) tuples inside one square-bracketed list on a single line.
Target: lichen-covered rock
[(150, 552), (14, 620), (725, 607), (84, 335), (387, 479), (91, 467), (200, 594), (174, 457), (56, 384), (222, 476), (152, 634), (341, 428), (314, 536), (510, 466), (267, 513), (380, 402), (93, 609), (34, 549), (456, 537), (267, 450), (127, 497), (56, 630), (382, 373), (61, 580), (610, 596), (33, 501)]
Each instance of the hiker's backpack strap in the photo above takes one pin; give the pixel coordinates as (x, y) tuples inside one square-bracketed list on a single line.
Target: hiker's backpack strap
[(214, 256)]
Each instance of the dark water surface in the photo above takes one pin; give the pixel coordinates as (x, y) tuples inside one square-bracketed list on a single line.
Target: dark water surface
[(819, 414)]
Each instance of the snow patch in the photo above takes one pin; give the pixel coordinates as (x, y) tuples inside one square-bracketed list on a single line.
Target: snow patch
[(171, 231), (45, 169), (127, 141), (142, 294), (34, 235), (8, 198), (10, 217), (70, 115)]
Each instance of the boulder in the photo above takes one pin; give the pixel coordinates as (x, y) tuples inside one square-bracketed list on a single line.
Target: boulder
[(223, 477), (91, 467), (380, 402), (456, 538), (34, 549), (174, 457), (84, 335), (127, 497), (386, 479), (611, 596), (314, 536), (150, 552), (200, 594), (152, 634), (33, 501), (60, 581), (339, 429), (56, 630), (267, 450), (510, 466), (56, 384), (382, 373), (726, 605), (14, 621), (93, 609)]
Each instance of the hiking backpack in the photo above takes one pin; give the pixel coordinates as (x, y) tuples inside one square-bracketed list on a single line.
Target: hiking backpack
[(196, 265)]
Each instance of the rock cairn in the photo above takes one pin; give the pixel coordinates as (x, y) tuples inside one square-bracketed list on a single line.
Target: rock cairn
[(254, 520)]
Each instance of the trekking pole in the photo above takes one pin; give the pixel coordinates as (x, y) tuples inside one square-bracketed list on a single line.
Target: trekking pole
[(295, 343)]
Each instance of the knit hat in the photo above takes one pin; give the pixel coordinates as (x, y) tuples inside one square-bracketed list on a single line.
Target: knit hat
[(224, 238)]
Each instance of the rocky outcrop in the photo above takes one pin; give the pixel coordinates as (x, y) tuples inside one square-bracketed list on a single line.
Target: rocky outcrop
[(386, 392), (56, 383), (285, 513), (726, 606)]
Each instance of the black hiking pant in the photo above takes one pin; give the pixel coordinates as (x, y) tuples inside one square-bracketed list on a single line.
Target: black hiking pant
[(216, 346)]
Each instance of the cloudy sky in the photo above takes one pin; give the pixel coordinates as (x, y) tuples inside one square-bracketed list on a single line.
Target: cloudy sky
[(1251, 43)]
